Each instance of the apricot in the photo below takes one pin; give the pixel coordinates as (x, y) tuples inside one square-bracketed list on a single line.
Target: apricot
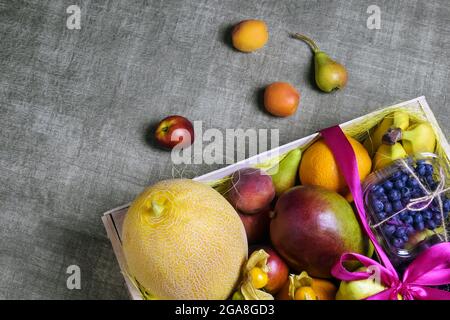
[(281, 99), (249, 35)]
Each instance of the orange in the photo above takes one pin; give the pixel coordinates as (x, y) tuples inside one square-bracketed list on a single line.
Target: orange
[(318, 166), (324, 289), (281, 99)]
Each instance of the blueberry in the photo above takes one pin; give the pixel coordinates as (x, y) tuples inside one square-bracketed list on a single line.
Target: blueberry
[(388, 207), (405, 238), (404, 178), (412, 183), (394, 195), (417, 193), (383, 198), (399, 184), (388, 185), (426, 214), (431, 224), (429, 180), (419, 226), (377, 205), (437, 219), (446, 205), (408, 220), (418, 218), (397, 206), (389, 229), (428, 169), (406, 193), (400, 232), (394, 221), (405, 201), (381, 215), (421, 170), (378, 190), (398, 243), (403, 215)]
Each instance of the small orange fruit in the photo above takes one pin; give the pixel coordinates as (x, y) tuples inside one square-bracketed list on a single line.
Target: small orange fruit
[(318, 166), (305, 293), (281, 99), (259, 277), (324, 289), (249, 35)]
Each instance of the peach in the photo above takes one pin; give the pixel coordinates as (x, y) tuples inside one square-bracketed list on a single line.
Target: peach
[(256, 225), (251, 190)]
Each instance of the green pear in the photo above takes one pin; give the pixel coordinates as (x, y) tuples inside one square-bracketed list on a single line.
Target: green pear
[(358, 289), (285, 173), (329, 74)]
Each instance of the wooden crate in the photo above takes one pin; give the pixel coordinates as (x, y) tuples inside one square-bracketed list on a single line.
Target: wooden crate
[(113, 219)]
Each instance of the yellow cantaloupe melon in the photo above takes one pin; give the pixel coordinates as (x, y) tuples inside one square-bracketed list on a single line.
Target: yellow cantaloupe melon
[(182, 240)]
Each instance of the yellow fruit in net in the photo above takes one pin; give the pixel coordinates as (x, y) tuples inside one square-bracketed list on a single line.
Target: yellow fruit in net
[(182, 240)]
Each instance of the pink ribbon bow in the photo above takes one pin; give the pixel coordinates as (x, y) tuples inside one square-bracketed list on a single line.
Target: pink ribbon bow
[(430, 268)]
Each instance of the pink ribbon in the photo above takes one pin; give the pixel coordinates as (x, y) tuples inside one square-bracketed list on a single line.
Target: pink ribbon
[(430, 268)]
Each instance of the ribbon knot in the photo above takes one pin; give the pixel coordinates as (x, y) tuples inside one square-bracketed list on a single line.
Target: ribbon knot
[(430, 268)]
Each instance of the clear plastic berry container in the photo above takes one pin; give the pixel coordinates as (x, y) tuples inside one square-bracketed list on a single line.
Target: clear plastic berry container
[(408, 204)]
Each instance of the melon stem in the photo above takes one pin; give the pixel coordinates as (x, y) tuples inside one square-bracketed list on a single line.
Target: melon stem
[(157, 208)]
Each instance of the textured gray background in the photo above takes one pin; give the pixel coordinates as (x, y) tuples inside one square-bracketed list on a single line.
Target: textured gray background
[(75, 106)]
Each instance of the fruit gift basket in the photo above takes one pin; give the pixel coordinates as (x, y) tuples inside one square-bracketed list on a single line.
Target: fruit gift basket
[(356, 211)]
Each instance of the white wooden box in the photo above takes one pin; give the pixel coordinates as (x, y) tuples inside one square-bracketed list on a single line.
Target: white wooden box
[(113, 219)]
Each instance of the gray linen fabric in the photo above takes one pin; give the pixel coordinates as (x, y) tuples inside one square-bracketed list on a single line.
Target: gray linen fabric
[(76, 106)]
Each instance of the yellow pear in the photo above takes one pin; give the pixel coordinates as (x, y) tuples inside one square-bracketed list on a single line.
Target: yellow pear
[(419, 138), (359, 289), (386, 154)]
